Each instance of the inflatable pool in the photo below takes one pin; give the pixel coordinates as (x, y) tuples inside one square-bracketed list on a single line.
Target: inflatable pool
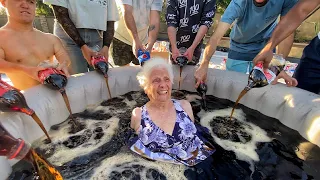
[(293, 107)]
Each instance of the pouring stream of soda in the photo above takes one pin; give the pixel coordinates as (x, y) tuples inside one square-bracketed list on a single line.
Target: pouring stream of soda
[(260, 78), (181, 61), (56, 80), (13, 148), (12, 100), (101, 65)]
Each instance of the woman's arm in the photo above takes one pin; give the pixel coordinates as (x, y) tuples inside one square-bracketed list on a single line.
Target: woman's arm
[(135, 119)]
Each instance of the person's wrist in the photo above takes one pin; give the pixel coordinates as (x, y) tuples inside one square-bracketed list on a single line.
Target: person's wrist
[(84, 47), (204, 63)]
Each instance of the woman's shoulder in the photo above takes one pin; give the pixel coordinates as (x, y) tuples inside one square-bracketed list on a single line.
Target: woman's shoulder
[(183, 103)]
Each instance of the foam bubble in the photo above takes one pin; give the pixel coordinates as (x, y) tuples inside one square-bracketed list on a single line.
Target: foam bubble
[(244, 151), (128, 166), (88, 137)]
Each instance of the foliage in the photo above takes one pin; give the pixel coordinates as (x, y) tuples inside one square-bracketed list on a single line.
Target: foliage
[(43, 9)]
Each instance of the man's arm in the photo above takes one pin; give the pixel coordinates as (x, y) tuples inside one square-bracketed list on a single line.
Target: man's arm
[(285, 46), (153, 28), (205, 23), (61, 55), (8, 67), (132, 28), (286, 26), (62, 15), (107, 39), (172, 23), (212, 44)]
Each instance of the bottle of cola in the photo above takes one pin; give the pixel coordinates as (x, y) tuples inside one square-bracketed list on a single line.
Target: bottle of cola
[(143, 56), (13, 148), (100, 64), (12, 100), (259, 77), (53, 78), (202, 90)]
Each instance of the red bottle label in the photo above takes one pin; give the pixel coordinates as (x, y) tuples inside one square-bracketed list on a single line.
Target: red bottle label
[(95, 60), (47, 72), (4, 87), (268, 73)]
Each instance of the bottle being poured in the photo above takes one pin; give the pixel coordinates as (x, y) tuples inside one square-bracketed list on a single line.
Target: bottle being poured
[(101, 65), (12, 100), (143, 56), (181, 61), (13, 148), (202, 90), (259, 78), (57, 80)]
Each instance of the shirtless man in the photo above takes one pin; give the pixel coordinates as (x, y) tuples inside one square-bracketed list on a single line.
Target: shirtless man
[(22, 47)]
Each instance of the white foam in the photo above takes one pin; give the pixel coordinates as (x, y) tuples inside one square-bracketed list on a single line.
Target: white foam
[(171, 171), (64, 154), (244, 151)]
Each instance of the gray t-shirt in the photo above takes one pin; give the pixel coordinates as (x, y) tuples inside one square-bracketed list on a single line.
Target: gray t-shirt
[(89, 14), (141, 14)]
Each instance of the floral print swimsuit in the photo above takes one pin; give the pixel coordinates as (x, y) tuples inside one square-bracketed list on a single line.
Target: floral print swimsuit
[(184, 146)]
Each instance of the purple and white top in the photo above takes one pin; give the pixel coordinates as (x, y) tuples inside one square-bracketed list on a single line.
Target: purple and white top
[(184, 146)]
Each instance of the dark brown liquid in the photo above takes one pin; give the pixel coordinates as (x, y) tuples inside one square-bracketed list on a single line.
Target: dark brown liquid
[(45, 171), (38, 121), (243, 92), (180, 77), (75, 126), (107, 82)]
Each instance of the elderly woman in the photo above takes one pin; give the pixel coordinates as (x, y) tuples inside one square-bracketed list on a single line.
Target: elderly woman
[(165, 127)]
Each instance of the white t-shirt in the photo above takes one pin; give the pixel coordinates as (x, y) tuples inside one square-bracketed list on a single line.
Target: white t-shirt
[(141, 14), (89, 14)]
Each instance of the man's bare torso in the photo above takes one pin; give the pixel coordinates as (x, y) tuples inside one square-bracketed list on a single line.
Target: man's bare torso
[(26, 48)]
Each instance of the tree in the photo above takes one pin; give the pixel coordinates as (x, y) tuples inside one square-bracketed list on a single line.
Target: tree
[(43, 9)]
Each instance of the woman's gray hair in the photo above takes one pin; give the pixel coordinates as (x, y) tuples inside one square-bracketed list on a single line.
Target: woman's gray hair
[(144, 75)]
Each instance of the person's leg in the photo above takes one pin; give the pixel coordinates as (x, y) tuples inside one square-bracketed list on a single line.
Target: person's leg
[(196, 56), (238, 65), (78, 62), (122, 53), (308, 76)]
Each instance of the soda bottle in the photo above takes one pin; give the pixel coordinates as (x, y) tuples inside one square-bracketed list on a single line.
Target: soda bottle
[(143, 56), (57, 80), (202, 90), (259, 77), (13, 148), (12, 100), (100, 64), (53, 79)]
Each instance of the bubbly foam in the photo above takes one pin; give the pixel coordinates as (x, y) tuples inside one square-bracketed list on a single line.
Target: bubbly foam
[(243, 151), (63, 154), (129, 166)]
